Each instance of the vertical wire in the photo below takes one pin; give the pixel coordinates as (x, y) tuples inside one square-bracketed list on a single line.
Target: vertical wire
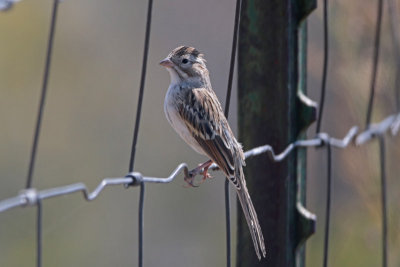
[(136, 129), (141, 207), (233, 56), (375, 62), (142, 83), (397, 86), (38, 128), (228, 224), (383, 199), (325, 67), (141, 203), (227, 104), (395, 32), (43, 95), (39, 234), (328, 204)]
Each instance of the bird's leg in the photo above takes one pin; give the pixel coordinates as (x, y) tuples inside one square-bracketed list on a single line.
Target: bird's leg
[(201, 168), (206, 175)]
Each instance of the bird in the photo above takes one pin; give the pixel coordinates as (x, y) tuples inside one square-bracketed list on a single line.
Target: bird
[(195, 113)]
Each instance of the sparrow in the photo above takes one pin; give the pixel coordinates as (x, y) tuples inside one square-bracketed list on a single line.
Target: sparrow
[(194, 111)]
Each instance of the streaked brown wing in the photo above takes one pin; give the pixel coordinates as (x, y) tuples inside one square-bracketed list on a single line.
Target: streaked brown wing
[(202, 114)]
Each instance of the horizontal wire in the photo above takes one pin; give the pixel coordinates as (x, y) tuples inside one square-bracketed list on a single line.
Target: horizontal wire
[(395, 127), (390, 123), (31, 196)]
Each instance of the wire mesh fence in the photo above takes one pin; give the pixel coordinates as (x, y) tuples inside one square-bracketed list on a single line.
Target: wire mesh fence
[(372, 131)]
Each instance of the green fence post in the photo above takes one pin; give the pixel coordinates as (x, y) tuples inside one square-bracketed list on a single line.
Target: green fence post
[(273, 110)]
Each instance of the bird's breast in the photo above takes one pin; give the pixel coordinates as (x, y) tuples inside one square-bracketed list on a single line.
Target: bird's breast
[(172, 99)]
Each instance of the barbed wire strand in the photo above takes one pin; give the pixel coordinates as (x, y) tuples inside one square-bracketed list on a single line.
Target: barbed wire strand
[(325, 66), (328, 204), (136, 129), (375, 62), (383, 199), (227, 104)]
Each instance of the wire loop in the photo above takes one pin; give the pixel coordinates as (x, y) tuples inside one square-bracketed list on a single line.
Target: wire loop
[(30, 196), (137, 179)]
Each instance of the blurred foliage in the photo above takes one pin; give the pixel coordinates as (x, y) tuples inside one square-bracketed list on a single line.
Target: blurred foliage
[(89, 118)]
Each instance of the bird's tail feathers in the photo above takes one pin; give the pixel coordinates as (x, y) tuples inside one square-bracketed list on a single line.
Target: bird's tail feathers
[(250, 215)]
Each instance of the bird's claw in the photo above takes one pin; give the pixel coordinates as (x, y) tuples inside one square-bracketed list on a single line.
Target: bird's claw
[(206, 176), (201, 169), (189, 179)]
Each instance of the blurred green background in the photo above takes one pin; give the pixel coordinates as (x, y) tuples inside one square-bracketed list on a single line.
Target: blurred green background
[(88, 123)]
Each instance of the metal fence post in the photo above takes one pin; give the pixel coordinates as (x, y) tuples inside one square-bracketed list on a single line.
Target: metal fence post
[(274, 110)]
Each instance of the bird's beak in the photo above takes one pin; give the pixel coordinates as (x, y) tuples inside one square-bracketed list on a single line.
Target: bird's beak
[(166, 62)]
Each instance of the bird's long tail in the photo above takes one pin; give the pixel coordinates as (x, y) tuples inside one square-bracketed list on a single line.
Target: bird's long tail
[(250, 214)]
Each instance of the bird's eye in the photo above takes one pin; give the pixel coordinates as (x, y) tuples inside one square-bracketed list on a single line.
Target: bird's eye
[(185, 61)]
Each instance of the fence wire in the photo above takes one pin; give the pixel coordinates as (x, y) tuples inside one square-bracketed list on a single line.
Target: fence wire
[(137, 125), (382, 161), (325, 66), (395, 32), (328, 203), (30, 197), (390, 125), (227, 105), (29, 179)]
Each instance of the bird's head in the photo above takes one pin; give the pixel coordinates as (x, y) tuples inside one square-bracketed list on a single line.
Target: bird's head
[(185, 63)]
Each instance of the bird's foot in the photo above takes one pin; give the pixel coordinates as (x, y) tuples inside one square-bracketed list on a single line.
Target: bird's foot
[(190, 177), (200, 169), (189, 182), (206, 175)]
